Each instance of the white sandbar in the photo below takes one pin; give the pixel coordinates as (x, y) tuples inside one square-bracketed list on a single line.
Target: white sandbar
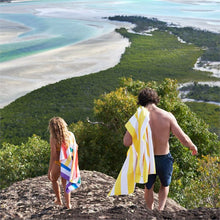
[(20, 76)]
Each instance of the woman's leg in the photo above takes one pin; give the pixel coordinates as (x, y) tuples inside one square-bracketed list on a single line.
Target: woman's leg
[(55, 173), (66, 195)]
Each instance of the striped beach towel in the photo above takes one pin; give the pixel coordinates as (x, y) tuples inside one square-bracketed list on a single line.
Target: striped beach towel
[(69, 164), (139, 162)]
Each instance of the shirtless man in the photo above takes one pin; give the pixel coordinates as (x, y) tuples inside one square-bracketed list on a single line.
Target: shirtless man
[(161, 123)]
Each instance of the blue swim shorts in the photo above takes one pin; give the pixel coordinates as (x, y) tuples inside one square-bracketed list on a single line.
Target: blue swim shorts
[(164, 169)]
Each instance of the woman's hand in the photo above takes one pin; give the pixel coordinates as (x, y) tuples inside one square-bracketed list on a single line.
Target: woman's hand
[(49, 175)]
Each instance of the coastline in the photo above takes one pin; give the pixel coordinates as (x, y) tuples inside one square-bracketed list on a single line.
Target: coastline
[(23, 75)]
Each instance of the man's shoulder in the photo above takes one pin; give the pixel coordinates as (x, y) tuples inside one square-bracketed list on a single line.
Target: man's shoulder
[(166, 115), (162, 111)]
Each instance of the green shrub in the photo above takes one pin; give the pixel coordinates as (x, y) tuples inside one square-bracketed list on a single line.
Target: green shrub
[(23, 161), (204, 190)]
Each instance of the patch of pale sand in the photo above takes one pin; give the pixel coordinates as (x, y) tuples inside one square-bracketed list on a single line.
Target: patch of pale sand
[(26, 74), (208, 66), (9, 31), (202, 24)]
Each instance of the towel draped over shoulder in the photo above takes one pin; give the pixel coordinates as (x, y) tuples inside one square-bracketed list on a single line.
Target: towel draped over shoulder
[(139, 162), (69, 163)]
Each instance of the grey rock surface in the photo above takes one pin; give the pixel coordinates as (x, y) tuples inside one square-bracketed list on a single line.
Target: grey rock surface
[(34, 199)]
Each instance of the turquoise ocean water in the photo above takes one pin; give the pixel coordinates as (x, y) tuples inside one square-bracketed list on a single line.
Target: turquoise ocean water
[(53, 24)]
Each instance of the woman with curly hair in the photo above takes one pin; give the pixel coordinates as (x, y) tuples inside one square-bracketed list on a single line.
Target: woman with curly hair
[(59, 137)]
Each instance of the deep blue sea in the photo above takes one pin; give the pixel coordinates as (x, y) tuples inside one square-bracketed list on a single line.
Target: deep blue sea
[(54, 23)]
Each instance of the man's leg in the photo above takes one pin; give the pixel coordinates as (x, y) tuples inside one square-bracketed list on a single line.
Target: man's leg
[(149, 197), (149, 191), (163, 193), (165, 170)]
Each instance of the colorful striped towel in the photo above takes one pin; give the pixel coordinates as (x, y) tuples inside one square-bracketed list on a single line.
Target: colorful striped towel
[(69, 164), (140, 156)]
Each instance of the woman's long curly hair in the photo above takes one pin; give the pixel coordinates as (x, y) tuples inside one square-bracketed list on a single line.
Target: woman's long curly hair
[(58, 130)]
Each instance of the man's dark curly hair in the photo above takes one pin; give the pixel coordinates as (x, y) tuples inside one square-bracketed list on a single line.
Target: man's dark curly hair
[(148, 96)]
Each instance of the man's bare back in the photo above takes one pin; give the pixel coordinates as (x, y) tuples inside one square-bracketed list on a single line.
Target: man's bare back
[(162, 123), (160, 127)]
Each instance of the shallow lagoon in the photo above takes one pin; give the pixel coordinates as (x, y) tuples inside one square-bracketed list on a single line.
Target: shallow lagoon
[(54, 24)]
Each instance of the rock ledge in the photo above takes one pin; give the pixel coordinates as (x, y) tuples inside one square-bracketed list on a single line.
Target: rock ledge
[(33, 199)]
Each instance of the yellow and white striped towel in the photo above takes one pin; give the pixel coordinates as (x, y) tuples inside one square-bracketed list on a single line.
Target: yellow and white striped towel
[(139, 162)]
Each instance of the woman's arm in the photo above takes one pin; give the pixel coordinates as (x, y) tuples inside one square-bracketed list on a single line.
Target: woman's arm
[(52, 156)]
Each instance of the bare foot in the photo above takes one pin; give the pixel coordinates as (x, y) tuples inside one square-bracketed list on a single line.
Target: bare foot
[(69, 206), (58, 202)]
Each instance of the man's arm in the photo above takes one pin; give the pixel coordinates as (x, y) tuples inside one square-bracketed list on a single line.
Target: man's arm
[(127, 140), (182, 136)]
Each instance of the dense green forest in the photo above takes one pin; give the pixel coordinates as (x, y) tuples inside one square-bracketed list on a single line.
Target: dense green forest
[(101, 148), (148, 58)]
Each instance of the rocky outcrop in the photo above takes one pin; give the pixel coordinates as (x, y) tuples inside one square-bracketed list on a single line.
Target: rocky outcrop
[(33, 199)]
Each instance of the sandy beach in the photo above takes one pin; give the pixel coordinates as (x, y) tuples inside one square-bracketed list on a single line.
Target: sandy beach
[(20, 76)]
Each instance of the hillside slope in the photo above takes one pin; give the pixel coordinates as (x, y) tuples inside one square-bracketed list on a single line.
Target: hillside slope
[(33, 199)]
